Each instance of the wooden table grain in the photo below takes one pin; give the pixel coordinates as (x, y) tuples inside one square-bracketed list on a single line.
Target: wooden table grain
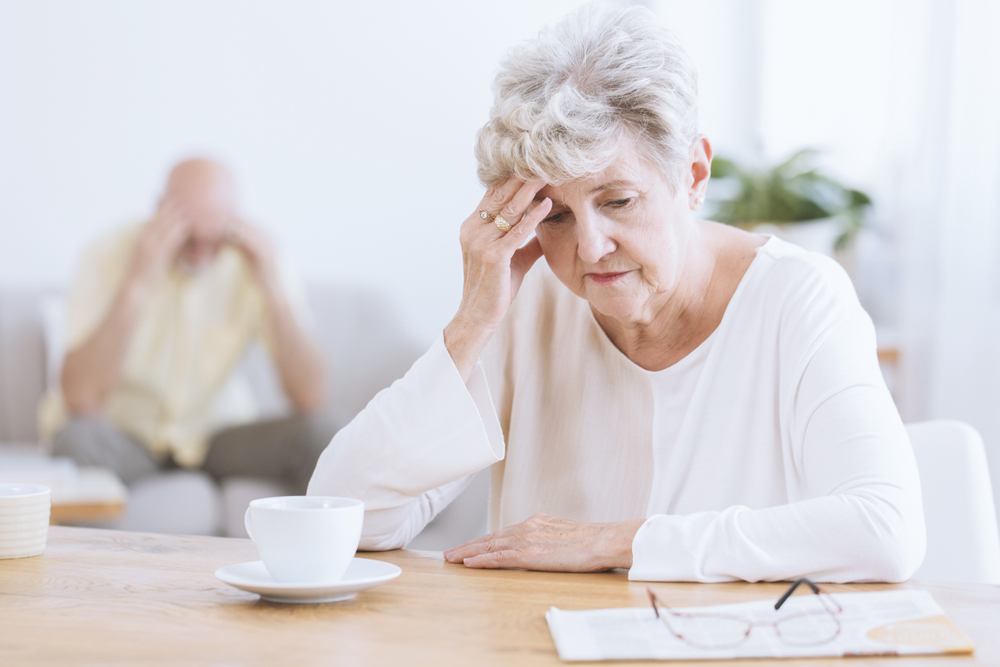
[(116, 598)]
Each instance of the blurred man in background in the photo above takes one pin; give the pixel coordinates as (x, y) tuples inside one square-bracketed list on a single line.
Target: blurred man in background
[(160, 316)]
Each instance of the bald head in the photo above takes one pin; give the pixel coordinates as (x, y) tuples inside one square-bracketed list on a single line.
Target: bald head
[(204, 193), (200, 178)]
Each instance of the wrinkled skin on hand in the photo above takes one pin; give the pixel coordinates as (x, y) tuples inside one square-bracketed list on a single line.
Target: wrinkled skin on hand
[(551, 544), (494, 265)]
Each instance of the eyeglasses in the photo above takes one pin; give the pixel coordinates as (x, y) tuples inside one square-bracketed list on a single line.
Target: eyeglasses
[(807, 628)]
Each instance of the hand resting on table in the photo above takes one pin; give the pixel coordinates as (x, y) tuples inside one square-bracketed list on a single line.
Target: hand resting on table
[(551, 544)]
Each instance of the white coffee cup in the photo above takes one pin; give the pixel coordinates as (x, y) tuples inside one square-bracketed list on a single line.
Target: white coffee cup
[(24, 519), (305, 539)]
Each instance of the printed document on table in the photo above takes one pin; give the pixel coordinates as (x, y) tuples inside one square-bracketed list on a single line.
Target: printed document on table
[(877, 623)]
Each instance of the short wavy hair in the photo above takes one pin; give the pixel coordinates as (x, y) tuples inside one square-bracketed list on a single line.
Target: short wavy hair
[(565, 102)]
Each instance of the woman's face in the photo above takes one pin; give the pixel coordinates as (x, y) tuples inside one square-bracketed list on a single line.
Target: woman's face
[(619, 239)]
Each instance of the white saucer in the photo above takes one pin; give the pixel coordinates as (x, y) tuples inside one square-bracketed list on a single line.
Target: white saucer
[(362, 573)]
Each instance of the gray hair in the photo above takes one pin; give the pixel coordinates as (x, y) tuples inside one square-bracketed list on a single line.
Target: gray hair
[(565, 101)]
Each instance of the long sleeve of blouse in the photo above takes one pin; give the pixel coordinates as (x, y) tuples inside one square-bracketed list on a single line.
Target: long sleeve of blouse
[(411, 451), (858, 516), (789, 460)]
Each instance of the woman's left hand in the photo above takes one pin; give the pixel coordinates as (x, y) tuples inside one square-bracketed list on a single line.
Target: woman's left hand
[(549, 544)]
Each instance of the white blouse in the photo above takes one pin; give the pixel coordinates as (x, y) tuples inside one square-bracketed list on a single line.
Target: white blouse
[(772, 451)]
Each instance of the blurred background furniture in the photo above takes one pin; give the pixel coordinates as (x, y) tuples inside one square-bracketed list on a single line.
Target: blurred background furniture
[(962, 539), (97, 495), (365, 347), (79, 494)]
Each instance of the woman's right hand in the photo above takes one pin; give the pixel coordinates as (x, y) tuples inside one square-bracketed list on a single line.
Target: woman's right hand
[(495, 264)]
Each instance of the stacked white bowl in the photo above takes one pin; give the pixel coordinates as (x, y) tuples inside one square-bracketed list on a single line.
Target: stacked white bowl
[(24, 519)]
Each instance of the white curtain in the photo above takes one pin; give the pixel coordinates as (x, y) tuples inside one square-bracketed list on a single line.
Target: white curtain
[(946, 213), (903, 98)]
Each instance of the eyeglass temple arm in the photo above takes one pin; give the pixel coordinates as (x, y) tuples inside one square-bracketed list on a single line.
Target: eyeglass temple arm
[(788, 593), (652, 599)]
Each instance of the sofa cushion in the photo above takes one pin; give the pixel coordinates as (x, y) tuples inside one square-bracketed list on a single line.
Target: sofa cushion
[(22, 361), (180, 502)]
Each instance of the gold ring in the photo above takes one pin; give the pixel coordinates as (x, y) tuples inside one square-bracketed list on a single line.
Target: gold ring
[(487, 216), (502, 224)]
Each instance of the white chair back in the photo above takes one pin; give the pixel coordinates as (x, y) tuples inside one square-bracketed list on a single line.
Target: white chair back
[(962, 539)]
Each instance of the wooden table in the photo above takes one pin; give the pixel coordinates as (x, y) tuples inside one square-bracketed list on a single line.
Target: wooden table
[(117, 598)]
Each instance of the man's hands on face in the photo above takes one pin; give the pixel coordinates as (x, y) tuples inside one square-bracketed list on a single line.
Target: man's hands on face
[(163, 238), (159, 243), (258, 250)]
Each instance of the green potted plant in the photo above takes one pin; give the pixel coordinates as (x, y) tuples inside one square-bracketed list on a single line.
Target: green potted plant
[(792, 200)]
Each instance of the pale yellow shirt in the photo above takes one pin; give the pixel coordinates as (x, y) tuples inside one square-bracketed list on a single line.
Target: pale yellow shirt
[(178, 384)]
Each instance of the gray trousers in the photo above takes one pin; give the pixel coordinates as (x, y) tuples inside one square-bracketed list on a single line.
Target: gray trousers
[(284, 449)]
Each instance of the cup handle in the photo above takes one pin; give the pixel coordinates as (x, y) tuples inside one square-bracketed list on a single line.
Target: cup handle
[(247, 523)]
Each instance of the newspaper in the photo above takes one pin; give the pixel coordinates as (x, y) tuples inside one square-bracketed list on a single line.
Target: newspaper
[(899, 622)]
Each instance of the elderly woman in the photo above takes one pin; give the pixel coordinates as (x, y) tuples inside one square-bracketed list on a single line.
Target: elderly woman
[(665, 394)]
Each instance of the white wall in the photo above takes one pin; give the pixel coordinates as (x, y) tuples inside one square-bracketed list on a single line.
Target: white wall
[(350, 126)]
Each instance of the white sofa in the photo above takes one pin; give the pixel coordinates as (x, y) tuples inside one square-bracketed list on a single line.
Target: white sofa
[(365, 345)]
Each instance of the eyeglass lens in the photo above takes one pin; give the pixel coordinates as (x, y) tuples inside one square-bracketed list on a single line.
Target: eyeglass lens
[(799, 628)]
